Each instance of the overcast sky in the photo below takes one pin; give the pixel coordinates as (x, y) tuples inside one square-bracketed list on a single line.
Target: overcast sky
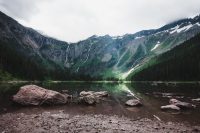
[(74, 20)]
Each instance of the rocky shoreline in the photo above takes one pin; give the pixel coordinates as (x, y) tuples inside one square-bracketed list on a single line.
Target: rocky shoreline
[(61, 122)]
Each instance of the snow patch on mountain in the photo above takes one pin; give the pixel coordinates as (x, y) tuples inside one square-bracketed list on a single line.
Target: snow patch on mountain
[(161, 32), (177, 29), (156, 46), (198, 24), (138, 37), (185, 28), (173, 30)]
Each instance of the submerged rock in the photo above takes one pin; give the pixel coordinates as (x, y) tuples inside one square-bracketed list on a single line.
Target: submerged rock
[(170, 107), (35, 95), (180, 104), (133, 103)]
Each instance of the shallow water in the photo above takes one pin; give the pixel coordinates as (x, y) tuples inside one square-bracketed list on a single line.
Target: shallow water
[(114, 105)]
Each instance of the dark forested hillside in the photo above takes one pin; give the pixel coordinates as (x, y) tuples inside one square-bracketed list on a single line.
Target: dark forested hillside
[(14, 59), (17, 62), (180, 64)]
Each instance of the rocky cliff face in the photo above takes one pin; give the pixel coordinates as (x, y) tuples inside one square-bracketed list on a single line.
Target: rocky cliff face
[(98, 56)]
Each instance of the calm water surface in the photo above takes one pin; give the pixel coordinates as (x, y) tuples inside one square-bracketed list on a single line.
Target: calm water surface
[(114, 105)]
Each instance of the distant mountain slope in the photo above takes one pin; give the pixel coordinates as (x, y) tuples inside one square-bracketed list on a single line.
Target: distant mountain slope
[(26, 53), (179, 64)]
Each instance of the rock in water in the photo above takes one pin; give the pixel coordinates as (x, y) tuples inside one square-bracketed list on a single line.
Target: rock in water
[(170, 107), (133, 103), (35, 95), (180, 104)]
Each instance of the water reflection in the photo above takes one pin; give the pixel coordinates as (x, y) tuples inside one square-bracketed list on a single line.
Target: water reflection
[(115, 103)]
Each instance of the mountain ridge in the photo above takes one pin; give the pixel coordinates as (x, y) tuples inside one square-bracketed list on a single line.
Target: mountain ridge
[(97, 57)]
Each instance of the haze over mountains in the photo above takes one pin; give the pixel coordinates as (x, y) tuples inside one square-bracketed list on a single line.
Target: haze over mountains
[(27, 54)]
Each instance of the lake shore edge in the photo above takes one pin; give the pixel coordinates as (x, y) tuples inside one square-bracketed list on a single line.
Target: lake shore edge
[(98, 81)]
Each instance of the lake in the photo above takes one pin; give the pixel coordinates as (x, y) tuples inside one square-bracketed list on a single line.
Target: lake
[(152, 95)]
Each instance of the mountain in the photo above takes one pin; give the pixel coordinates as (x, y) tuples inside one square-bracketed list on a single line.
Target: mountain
[(108, 56), (26, 53), (20, 52), (181, 63)]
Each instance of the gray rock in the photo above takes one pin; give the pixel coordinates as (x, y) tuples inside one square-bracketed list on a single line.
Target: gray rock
[(91, 97), (133, 103), (170, 107), (96, 94), (180, 104), (86, 93), (35, 95)]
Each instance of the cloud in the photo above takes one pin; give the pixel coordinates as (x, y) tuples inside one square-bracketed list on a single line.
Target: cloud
[(21, 9), (73, 20)]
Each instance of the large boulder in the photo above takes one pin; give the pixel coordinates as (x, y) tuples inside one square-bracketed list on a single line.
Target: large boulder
[(170, 107), (133, 103), (182, 105), (35, 95)]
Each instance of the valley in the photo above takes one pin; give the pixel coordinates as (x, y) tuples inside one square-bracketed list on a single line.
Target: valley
[(96, 58)]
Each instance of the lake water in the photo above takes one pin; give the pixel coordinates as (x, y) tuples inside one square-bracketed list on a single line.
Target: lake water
[(150, 95)]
